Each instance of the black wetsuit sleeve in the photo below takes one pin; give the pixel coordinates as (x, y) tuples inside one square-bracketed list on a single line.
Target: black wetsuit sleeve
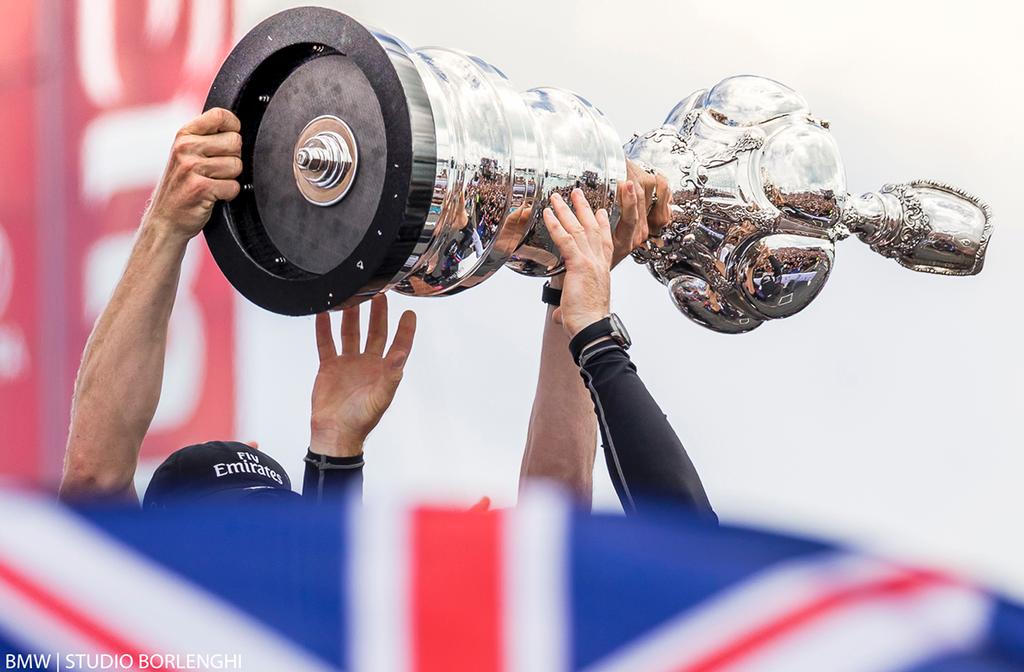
[(646, 460), (328, 478)]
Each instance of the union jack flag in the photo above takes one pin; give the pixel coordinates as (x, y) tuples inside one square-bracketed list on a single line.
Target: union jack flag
[(538, 588)]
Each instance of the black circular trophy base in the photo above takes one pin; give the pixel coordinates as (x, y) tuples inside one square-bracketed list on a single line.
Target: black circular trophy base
[(279, 250)]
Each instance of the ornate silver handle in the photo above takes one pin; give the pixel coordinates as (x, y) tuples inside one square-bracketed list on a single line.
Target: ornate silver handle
[(925, 226)]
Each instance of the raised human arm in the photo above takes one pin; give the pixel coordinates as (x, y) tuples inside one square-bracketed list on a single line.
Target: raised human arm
[(118, 385), (562, 435), (351, 393), (645, 458)]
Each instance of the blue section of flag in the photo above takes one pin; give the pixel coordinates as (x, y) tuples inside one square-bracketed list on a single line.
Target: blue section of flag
[(1002, 651), (630, 575), (15, 657), (282, 563)]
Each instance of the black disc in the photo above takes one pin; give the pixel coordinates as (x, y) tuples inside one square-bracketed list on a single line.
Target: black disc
[(318, 238), (280, 251)]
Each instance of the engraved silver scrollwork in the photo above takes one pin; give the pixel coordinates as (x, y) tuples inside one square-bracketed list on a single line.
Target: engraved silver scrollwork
[(759, 201), (905, 235), (924, 225)]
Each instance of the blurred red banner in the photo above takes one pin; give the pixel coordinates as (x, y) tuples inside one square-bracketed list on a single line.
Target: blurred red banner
[(92, 95), (20, 356)]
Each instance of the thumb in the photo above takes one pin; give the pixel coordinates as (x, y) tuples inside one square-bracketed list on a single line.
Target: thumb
[(396, 361), (395, 370), (556, 315)]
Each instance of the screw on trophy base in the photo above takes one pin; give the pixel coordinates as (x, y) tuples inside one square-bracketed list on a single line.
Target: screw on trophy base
[(369, 166)]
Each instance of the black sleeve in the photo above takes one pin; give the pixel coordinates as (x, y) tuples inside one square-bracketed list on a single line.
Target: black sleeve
[(328, 478), (646, 460)]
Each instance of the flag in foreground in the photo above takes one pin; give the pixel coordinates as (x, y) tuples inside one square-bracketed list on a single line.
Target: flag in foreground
[(536, 589)]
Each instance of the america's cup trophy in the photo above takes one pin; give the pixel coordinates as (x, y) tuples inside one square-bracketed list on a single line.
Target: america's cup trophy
[(370, 166)]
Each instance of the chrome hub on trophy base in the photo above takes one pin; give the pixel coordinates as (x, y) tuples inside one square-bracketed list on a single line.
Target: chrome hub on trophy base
[(454, 167), (325, 160)]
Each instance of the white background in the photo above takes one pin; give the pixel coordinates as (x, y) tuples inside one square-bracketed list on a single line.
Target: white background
[(886, 415)]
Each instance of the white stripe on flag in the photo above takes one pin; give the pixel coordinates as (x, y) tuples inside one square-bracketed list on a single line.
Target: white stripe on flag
[(725, 618), (378, 587), (536, 596), (141, 602), (882, 635)]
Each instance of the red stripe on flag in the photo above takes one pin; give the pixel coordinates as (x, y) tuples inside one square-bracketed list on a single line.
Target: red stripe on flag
[(105, 639), (765, 633), (456, 584)]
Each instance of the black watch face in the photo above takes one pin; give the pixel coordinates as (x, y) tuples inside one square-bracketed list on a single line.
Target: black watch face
[(619, 332)]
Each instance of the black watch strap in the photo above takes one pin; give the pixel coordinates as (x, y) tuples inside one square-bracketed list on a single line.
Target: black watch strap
[(588, 335), (327, 462), (550, 295)]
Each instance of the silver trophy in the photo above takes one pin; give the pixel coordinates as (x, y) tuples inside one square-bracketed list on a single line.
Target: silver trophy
[(370, 166)]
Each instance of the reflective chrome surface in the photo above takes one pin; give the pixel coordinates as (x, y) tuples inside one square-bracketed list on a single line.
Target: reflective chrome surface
[(499, 156), (925, 226), (579, 149), (488, 173), (759, 200)]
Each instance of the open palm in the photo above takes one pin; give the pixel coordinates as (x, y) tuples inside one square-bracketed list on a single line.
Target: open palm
[(354, 389)]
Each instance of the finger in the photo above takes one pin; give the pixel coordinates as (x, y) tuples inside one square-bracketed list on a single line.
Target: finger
[(660, 215), (642, 229), (401, 346), (223, 190), (214, 120), (324, 338), (585, 216), (604, 233), (255, 445), (377, 333), (556, 315), (626, 227), (350, 330), (219, 144), (568, 221), (565, 243), (581, 207), (220, 167)]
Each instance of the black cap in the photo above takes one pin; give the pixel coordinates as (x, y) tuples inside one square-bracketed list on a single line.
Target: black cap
[(217, 470)]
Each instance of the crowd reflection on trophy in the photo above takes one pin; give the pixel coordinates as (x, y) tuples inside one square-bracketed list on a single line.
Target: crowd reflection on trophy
[(757, 187)]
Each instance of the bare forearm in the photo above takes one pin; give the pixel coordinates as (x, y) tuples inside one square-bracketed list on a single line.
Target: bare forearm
[(562, 438), (118, 385)]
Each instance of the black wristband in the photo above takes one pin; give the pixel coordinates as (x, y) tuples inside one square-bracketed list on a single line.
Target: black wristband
[(550, 295), (588, 335), (327, 462)]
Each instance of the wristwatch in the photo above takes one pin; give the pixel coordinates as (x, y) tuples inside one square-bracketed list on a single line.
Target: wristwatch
[(550, 295), (610, 327)]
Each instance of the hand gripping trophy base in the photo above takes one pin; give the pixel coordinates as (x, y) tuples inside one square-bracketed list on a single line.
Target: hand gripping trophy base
[(370, 166)]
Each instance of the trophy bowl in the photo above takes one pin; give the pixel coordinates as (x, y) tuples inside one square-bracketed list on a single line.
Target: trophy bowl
[(370, 166)]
